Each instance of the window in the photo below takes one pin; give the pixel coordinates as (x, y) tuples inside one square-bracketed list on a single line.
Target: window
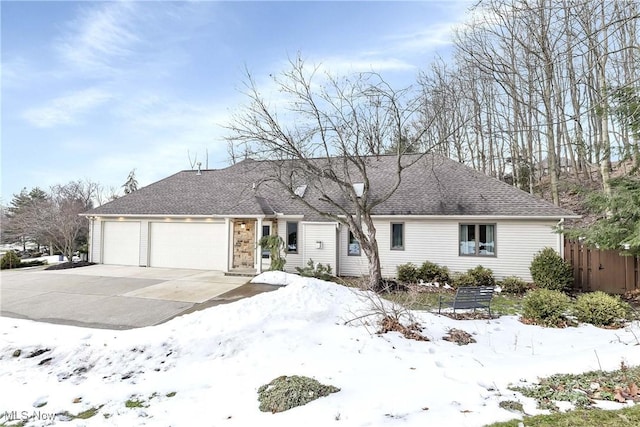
[(300, 190), (478, 239), (358, 188), (354, 246), (266, 231), (292, 237), (397, 236)]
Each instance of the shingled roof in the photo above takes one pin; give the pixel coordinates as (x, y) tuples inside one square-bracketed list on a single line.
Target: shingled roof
[(434, 185)]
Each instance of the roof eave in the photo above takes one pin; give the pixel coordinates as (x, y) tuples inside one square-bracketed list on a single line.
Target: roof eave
[(471, 217)]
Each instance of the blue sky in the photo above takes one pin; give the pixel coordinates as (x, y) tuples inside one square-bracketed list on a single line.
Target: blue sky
[(92, 90)]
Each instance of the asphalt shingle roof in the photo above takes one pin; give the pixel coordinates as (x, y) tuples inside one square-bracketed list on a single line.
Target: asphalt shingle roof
[(434, 185)]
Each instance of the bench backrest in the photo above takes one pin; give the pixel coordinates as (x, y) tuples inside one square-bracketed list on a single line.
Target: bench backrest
[(472, 295)]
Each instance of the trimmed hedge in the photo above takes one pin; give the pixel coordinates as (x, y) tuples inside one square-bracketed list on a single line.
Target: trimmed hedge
[(514, 285), (601, 309), (545, 307), (550, 271)]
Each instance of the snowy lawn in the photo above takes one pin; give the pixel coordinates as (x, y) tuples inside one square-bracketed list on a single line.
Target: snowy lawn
[(205, 368)]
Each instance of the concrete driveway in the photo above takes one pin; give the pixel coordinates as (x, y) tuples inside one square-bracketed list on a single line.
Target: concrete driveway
[(116, 297)]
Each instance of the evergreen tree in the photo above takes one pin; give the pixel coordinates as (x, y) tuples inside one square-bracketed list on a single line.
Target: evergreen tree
[(618, 226), (132, 183)]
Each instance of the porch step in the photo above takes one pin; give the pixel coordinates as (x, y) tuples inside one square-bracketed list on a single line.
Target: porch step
[(241, 273)]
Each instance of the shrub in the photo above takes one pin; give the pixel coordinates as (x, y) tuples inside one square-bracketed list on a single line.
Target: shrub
[(274, 244), (9, 260), (463, 279), (514, 285), (407, 273), (430, 272), (478, 276), (318, 270), (483, 276), (600, 309), (550, 271), (545, 307), (289, 392)]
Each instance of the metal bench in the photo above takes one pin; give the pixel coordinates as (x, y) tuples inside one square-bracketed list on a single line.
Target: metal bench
[(469, 297)]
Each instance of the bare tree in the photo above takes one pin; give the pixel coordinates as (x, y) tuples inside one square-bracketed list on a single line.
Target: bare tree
[(324, 133), (59, 220), (22, 212)]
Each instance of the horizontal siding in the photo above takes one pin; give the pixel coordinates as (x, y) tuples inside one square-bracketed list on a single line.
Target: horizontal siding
[(350, 265), (437, 241), (319, 232), (96, 241), (293, 260)]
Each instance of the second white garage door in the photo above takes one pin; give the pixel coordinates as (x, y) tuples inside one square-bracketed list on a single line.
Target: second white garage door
[(187, 245)]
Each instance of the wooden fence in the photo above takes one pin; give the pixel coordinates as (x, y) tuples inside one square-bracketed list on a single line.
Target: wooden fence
[(606, 271)]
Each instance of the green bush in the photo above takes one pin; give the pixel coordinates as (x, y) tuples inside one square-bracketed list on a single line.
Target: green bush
[(483, 276), (514, 285), (545, 307), (463, 279), (318, 270), (275, 245), (550, 271), (600, 309), (430, 272), (478, 276), (407, 273), (285, 392), (9, 260)]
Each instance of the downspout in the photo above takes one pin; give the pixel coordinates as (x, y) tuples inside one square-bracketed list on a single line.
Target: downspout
[(561, 237)]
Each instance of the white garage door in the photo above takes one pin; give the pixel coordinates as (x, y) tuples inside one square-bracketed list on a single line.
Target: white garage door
[(121, 243), (187, 245)]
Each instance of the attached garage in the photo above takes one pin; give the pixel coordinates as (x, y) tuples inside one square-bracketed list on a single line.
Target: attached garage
[(121, 242), (187, 245)]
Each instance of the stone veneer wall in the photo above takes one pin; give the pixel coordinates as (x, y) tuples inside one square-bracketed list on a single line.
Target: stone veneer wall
[(243, 243)]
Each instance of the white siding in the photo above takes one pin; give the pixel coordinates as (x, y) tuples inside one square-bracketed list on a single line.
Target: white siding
[(319, 232), (436, 240), (96, 240), (350, 265), (293, 259)]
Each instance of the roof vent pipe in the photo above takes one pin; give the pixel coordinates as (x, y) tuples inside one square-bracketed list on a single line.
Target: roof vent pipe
[(199, 171)]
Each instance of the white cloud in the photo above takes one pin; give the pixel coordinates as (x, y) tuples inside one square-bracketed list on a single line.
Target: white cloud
[(100, 36), (424, 40), (344, 65), (66, 109)]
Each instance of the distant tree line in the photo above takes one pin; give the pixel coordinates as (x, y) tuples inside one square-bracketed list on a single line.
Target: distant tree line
[(540, 87), (52, 219)]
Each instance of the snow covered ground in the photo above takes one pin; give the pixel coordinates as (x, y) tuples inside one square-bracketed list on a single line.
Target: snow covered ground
[(204, 368)]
